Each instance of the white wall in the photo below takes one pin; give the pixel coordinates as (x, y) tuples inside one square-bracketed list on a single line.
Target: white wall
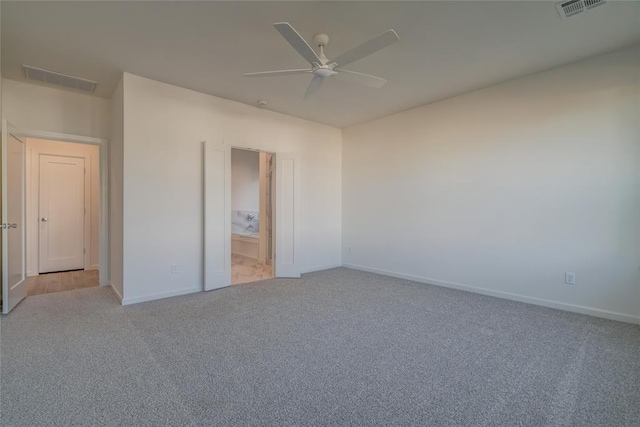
[(55, 110), (57, 148), (1, 116), (1, 81), (505, 189), (164, 127), (116, 164), (245, 180)]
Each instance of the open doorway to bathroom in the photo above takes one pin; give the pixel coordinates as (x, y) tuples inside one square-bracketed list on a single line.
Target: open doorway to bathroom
[(252, 215)]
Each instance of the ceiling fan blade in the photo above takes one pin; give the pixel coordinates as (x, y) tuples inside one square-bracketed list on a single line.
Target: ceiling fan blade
[(297, 42), (367, 48), (361, 78), (315, 84), (277, 73)]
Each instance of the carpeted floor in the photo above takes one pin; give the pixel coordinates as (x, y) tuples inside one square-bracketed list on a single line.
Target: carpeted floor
[(338, 347)]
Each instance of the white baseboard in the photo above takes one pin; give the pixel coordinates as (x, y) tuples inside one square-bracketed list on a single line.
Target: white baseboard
[(506, 295), (314, 269), (32, 273), (115, 291), (93, 267), (160, 295)]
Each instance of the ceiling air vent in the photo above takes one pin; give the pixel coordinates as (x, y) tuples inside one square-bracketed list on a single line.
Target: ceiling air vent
[(571, 8), (59, 79)]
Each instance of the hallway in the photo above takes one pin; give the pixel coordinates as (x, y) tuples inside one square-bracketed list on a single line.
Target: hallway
[(63, 281)]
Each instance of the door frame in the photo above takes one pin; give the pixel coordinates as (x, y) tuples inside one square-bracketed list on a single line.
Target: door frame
[(102, 143), (264, 203)]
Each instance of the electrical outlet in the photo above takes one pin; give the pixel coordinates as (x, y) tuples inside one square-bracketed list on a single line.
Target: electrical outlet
[(350, 249), (174, 268), (570, 278)]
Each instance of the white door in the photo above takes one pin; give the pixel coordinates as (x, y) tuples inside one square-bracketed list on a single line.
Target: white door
[(217, 215), (61, 212), (14, 288), (287, 215)]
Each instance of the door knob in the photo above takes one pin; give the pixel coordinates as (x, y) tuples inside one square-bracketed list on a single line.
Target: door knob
[(14, 225), (44, 219)]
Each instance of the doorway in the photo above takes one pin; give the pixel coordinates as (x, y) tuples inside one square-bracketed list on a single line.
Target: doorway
[(252, 215), (286, 258), (18, 269), (62, 215), (15, 222)]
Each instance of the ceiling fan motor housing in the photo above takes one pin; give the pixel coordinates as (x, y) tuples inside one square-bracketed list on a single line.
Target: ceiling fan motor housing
[(323, 72)]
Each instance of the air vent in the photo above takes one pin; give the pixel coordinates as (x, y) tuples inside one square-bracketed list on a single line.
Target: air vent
[(59, 79), (590, 4), (571, 8)]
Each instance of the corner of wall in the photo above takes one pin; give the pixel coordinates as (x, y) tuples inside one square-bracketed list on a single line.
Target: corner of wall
[(116, 161), (116, 292)]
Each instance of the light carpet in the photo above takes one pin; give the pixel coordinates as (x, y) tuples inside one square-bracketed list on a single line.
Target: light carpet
[(337, 347)]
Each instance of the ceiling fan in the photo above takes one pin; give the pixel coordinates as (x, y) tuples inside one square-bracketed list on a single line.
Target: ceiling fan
[(321, 67)]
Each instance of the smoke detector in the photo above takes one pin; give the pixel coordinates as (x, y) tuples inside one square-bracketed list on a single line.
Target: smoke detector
[(262, 103), (570, 8), (59, 79)]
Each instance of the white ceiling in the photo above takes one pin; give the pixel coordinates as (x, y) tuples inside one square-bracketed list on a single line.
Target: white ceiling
[(445, 48)]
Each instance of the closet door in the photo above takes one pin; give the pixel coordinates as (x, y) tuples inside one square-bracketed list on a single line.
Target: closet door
[(217, 215), (287, 214)]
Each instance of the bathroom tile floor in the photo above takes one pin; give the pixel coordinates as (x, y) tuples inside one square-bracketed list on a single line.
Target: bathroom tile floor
[(245, 270)]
